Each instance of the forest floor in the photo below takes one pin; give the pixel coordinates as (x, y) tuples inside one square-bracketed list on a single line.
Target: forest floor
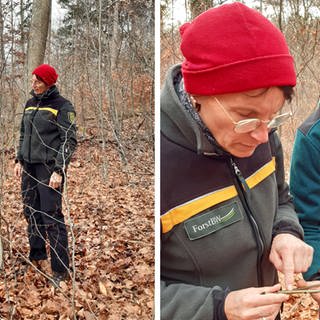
[(111, 236), (299, 306)]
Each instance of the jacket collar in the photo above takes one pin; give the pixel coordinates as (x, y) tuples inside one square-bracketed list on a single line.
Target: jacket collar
[(178, 124), (51, 92)]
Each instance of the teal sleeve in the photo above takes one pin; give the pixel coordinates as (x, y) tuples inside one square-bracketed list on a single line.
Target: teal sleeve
[(305, 177), (305, 188)]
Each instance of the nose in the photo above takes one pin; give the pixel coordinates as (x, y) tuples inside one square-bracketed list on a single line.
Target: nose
[(261, 134)]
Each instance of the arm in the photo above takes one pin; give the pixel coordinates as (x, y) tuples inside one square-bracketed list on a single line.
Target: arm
[(304, 175), (305, 187), (289, 253), (19, 157), (67, 130), (286, 220), (183, 301)]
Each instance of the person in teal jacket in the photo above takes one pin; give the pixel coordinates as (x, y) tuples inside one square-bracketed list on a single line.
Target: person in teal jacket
[(305, 185)]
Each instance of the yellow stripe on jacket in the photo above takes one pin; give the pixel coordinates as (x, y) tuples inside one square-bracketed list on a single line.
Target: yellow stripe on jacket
[(185, 211), (54, 111)]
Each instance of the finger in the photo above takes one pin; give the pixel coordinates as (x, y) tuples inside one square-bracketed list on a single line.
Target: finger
[(301, 283), (266, 311), (56, 185), (269, 296), (276, 260), (302, 263), (308, 260), (303, 258), (272, 298), (272, 289), (288, 271)]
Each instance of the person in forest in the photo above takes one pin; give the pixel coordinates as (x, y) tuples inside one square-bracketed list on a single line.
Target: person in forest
[(47, 142), (304, 185), (228, 224)]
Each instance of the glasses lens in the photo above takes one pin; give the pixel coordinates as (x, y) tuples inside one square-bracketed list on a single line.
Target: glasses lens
[(279, 120), (35, 82), (247, 125)]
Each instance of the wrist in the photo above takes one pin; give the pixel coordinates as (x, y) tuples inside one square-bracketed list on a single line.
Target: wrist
[(287, 227)]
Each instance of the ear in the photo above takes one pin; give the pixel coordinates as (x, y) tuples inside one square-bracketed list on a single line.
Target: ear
[(196, 104)]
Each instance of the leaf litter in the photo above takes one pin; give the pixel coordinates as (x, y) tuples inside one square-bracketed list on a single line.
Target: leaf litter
[(111, 243)]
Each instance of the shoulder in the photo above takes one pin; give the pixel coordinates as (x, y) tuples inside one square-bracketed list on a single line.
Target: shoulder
[(64, 104), (311, 125), (30, 102)]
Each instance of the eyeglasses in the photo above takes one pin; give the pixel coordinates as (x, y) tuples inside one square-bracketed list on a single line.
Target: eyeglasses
[(36, 82), (248, 125)]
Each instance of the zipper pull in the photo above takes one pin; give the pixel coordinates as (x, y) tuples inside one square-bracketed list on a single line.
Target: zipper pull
[(240, 176)]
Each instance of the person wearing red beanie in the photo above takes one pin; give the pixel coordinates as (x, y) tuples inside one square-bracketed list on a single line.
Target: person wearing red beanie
[(227, 220), (46, 74), (47, 142)]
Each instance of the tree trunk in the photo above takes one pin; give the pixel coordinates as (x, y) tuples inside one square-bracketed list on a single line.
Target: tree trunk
[(280, 14), (2, 61), (197, 7), (38, 33)]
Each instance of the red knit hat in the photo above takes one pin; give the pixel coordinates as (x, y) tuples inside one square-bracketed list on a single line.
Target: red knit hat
[(47, 73), (233, 48)]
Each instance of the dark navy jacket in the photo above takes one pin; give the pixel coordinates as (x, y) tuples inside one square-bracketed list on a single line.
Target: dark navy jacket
[(48, 130)]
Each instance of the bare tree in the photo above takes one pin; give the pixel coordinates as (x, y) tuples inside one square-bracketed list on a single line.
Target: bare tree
[(196, 7), (38, 33)]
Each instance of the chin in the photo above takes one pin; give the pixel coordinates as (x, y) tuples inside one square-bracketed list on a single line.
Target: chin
[(242, 153)]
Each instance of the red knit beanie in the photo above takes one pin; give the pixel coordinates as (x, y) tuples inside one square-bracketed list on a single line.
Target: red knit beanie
[(233, 48), (47, 73)]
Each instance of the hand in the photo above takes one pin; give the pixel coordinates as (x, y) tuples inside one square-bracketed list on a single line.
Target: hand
[(17, 170), (55, 180), (254, 303), (302, 283), (290, 255)]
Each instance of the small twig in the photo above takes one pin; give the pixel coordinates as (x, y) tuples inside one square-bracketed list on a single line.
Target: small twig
[(302, 290), (299, 291)]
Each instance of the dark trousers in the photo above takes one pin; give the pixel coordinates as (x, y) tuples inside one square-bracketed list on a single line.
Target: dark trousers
[(42, 209)]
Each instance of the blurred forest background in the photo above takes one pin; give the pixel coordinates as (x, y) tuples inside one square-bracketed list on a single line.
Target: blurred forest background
[(299, 20), (103, 51)]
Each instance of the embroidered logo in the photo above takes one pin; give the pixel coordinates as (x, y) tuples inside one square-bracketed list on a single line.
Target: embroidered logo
[(210, 221), (71, 117)]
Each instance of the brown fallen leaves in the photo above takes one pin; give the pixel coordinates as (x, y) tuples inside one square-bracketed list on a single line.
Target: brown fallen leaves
[(111, 237), (300, 306)]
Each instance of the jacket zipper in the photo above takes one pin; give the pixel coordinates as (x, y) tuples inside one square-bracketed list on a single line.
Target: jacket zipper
[(31, 129), (244, 192)]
